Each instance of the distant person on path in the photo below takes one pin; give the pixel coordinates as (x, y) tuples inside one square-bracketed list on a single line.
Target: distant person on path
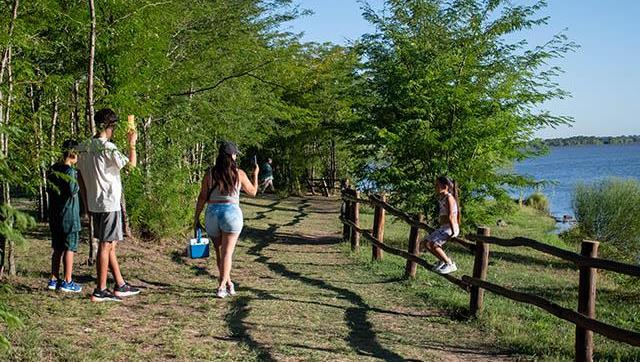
[(220, 189), (64, 218), (449, 225), (266, 176), (100, 163)]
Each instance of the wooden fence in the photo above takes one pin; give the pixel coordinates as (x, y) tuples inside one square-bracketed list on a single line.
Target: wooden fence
[(587, 262), (324, 185)]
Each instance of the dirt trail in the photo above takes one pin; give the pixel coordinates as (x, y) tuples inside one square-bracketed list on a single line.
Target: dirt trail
[(300, 297)]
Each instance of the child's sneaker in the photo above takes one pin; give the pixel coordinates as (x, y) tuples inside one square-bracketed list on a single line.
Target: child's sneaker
[(222, 293), (125, 290), (104, 296), (439, 266), (53, 284), (70, 287), (231, 289), (448, 268)]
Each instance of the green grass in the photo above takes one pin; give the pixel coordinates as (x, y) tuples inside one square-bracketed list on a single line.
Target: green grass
[(304, 296), (299, 298), (524, 329)]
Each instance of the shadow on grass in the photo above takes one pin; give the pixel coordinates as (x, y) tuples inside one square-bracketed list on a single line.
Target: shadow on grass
[(263, 214), (301, 213), (362, 337), (235, 321)]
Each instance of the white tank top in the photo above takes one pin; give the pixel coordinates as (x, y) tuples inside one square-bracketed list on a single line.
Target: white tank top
[(216, 196)]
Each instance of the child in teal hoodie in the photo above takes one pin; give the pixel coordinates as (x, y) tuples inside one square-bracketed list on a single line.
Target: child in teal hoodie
[(64, 218)]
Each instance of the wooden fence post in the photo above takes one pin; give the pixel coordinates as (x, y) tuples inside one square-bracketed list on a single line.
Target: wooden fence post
[(325, 188), (480, 264), (346, 214), (586, 302), (414, 248), (378, 229), (355, 217)]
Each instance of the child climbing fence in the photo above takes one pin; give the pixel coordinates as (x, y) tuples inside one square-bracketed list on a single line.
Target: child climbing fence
[(587, 261)]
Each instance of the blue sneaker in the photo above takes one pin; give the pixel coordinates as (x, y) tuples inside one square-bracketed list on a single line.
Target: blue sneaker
[(53, 284), (70, 287)]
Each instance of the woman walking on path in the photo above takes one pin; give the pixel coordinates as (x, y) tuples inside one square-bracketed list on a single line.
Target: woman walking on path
[(449, 225), (223, 219)]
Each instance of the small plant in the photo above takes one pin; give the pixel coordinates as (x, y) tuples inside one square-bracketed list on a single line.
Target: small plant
[(7, 318), (608, 211), (538, 201)]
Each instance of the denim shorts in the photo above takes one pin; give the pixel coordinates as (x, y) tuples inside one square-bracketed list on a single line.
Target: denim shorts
[(223, 217), (440, 236)]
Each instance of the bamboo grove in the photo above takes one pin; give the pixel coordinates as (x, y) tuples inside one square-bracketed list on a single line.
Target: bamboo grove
[(435, 88)]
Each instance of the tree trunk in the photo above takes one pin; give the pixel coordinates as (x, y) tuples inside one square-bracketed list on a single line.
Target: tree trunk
[(92, 53), (146, 140), (89, 112), (11, 244), (42, 189), (332, 167), (7, 246), (54, 124), (75, 112)]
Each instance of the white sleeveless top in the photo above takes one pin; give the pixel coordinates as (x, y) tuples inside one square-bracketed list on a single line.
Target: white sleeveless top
[(216, 196), (444, 205)]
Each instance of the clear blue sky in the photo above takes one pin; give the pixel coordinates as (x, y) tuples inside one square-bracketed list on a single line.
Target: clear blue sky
[(603, 75)]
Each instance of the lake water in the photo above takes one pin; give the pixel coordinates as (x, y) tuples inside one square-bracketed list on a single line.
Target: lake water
[(573, 164)]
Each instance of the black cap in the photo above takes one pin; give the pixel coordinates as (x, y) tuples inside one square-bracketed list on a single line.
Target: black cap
[(229, 148)]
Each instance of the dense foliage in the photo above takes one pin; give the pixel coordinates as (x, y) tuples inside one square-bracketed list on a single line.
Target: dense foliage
[(448, 94), (608, 211), (436, 89)]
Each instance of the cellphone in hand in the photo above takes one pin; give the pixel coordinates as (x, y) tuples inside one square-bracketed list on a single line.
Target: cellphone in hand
[(255, 159)]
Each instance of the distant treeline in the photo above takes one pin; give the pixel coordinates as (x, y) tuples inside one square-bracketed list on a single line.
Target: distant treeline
[(591, 140)]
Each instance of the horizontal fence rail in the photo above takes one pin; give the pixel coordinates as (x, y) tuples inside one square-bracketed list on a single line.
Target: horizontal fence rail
[(587, 262), (577, 259), (374, 201), (607, 330), (403, 254)]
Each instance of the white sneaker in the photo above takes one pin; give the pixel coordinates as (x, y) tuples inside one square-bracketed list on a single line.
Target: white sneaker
[(231, 289), (438, 266), (448, 268), (222, 293)]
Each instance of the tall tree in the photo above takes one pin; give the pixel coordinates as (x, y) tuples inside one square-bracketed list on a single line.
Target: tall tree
[(7, 245), (447, 93)]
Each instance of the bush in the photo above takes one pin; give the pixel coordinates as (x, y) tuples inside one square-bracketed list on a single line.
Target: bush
[(608, 211), (538, 201), (7, 319)]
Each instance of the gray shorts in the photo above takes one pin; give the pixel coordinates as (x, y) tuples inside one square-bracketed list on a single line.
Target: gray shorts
[(440, 236), (107, 226)]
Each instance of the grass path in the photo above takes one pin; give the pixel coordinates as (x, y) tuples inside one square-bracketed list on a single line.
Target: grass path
[(300, 297)]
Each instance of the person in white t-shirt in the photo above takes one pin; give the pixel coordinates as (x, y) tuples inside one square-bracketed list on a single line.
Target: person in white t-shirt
[(99, 163)]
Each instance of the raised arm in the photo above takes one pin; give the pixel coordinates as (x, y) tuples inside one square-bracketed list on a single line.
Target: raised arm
[(133, 156), (250, 187)]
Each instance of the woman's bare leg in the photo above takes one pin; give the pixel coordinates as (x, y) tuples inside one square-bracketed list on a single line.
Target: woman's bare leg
[(217, 248), (228, 244)]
